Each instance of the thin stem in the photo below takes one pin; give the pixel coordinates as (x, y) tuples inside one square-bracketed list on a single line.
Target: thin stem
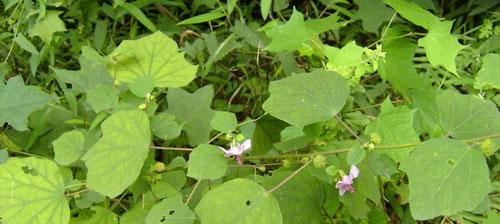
[(353, 133), (388, 25), (283, 182), (192, 192), (118, 201), (285, 156), (76, 192), (171, 148), (75, 185)]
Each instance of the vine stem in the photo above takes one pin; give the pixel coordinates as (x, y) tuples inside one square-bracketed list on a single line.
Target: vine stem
[(171, 148), (349, 129), (76, 192), (284, 181), (192, 192)]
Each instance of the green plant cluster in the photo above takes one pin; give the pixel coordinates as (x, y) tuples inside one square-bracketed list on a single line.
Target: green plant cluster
[(265, 112)]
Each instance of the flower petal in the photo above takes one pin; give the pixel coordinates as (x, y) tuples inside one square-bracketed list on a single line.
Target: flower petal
[(247, 144), (354, 172)]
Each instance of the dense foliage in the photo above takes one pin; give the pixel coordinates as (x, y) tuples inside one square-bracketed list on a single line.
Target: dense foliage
[(224, 112)]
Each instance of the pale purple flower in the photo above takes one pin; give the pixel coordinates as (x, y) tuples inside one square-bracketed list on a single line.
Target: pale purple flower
[(237, 150), (345, 184)]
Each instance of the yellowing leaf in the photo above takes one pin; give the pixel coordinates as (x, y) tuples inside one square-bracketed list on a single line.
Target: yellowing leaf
[(156, 56), (440, 46), (32, 191), (115, 161)]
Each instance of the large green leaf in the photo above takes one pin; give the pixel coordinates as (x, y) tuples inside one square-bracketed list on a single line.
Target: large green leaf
[(394, 125), (440, 46), (372, 13), (171, 210), (239, 201), (32, 191), (207, 162), (488, 77), (92, 72), (307, 98), (467, 116), (17, 101), (194, 110), (156, 56), (445, 176), (301, 199), (290, 36), (68, 147), (115, 161)]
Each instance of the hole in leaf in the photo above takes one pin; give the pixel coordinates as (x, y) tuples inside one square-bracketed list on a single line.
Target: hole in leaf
[(171, 212), (248, 202), (29, 170), (163, 219)]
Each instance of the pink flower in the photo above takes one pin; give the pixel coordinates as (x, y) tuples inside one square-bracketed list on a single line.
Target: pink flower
[(345, 184), (237, 150)]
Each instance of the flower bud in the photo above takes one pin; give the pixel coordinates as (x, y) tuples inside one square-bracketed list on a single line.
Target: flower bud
[(142, 106), (375, 138), (159, 167), (240, 137), (488, 147), (319, 161)]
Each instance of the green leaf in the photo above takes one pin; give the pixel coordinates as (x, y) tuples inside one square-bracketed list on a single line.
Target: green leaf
[(171, 210), (356, 155), (164, 126), (214, 14), (102, 97), (290, 36), (17, 101), (230, 5), (32, 191), (307, 98), (266, 133), (207, 162), (224, 122), (372, 13), (413, 13), (394, 125), (47, 26), (25, 44), (139, 15), (68, 148), (445, 176), (265, 7), (300, 199), (102, 215), (239, 201), (322, 25), (4, 156), (155, 56), (136, 215), (467, 116), (487, 77), (92, 72), (141, 86), (194, 110), (115, 161), (440, 46), (347, 60)]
